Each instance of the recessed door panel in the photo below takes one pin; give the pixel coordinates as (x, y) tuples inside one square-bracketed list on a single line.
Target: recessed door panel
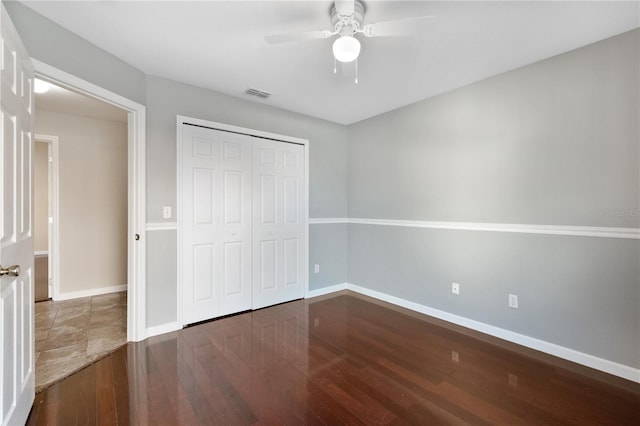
[(25, 181), (26, 343), (9, 66), (291, 261), (267, 157), (268, 200), (203, 196), (290, 199), (232, 151), (8, 301), (204, 148), (268, 265), (233, 191), (203, 272), (290, 160), (8, 174), (233, 264)]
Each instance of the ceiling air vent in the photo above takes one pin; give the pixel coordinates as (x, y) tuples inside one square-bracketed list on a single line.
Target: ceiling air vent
[(258, 93)]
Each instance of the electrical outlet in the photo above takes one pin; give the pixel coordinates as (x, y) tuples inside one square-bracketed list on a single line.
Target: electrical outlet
[(455, 288), (513, 301), (316, 268), (166, 212)]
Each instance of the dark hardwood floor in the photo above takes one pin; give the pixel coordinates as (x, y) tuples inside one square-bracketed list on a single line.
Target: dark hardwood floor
[(337, 360)]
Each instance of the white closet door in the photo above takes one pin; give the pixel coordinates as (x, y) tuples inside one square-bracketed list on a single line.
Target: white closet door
[(216, 223), (278, 222)]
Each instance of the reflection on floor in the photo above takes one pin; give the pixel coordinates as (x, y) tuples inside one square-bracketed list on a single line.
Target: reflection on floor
[(71, 334), (344, 359)]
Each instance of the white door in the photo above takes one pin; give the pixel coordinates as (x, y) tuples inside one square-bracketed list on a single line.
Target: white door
[(278, 222), (16, 245), (216, 223)]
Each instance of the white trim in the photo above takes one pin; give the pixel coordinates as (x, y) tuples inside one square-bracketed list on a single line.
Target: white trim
[(161, 226), (325, 290), (136, 272), (91, 292), (178, 215), (53, 194), (601, 364), (576, 231), (306, 217), (162, 329), (182, 120), (327, 220), (41, 253)]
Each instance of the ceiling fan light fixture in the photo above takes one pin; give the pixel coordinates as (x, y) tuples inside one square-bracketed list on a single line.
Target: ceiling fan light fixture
[(346, 48)]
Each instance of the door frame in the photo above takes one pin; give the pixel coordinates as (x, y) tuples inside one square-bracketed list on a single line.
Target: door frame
[(180, 120), (136, 256), (53, 189)]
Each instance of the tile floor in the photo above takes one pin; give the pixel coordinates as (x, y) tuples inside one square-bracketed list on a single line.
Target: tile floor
[(71, 334)]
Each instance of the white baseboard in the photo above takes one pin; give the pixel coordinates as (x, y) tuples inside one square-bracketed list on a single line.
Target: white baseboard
[(41, 253), (601, 364), (325, 290), (581, 358), (161, 329), (91, 292)]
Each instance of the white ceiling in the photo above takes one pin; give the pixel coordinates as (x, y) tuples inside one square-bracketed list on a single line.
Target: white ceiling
[(219, 45)]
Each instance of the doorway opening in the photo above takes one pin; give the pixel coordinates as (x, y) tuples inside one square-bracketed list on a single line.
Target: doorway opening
[(81, 207), (122, 300), (136, 214)]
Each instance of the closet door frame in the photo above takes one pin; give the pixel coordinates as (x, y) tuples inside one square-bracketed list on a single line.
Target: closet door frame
[(184, 120)]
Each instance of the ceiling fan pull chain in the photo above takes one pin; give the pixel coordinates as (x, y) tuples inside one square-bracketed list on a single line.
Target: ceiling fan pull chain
[(356, 70), (335, 69)]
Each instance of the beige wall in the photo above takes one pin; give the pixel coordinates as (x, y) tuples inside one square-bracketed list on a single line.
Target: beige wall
[(93, 199), (40, 196)]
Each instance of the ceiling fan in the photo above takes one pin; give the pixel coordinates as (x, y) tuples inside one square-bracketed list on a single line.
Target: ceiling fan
[(347, 21)]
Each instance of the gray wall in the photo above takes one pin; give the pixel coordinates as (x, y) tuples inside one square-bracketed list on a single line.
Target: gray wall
[(327, 181), (54, 45), (166, 99), (553, 143)]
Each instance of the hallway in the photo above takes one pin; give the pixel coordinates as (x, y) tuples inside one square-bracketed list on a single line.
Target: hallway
[(71, 334)]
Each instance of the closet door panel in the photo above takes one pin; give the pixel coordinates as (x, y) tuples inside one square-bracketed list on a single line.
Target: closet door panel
[(278, 225), (215, 223)]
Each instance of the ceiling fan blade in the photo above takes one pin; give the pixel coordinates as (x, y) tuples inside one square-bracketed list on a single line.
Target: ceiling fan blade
[(397, 27), (295, 37), (345, 7)]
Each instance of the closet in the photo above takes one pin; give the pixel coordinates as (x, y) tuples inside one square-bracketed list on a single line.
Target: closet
[(242, 229)]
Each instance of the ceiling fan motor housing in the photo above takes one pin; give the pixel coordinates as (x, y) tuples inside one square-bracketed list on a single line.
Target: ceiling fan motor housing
[(347, 25)]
